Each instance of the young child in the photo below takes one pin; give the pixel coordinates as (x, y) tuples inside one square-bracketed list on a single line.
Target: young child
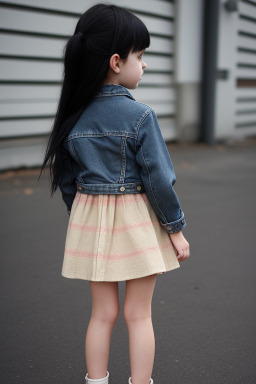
[(109, 159)]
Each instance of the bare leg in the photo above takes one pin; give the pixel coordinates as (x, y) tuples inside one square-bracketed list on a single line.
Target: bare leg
[(105, 311), (137, 314)]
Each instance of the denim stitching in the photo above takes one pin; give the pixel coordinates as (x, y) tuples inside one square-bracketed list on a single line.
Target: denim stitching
[(121, 91), (139, 123), (111, 184), (110, 188), (123, 161), (177, 221), (115, 94), (93, 134)]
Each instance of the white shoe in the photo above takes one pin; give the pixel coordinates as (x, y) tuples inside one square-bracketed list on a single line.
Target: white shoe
[(130, 381), (104, 380)]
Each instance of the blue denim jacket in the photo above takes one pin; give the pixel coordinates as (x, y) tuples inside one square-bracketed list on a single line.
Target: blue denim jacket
[(117, 147)]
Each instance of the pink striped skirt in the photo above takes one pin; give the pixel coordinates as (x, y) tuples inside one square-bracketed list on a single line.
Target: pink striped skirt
[(114, 238)]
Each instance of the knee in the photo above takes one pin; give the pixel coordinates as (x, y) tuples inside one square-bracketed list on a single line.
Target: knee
[(132, 313), (107, 314)]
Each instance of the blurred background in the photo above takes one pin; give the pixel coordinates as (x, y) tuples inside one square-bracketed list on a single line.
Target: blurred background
[(201, 81), (201, 75)]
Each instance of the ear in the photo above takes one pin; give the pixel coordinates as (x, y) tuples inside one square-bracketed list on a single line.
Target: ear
[(114, 63)]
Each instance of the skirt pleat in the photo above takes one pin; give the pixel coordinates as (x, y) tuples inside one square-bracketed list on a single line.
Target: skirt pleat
[(115, 238)]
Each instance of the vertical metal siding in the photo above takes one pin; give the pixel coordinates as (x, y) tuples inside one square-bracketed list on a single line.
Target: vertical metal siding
[(32, 37)]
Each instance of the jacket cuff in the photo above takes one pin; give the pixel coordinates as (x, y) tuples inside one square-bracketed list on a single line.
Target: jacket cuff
[(175, 226)]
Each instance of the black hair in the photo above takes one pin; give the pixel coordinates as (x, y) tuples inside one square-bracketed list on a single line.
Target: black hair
[(100, 32)]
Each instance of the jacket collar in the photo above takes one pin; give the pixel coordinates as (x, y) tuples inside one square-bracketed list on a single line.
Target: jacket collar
[(114, 90)]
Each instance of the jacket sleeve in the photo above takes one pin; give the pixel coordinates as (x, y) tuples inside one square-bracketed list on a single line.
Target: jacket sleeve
[(67, 183), (157, 173)]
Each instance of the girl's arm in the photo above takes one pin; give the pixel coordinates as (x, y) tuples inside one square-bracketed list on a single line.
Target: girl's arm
[(157, 173)]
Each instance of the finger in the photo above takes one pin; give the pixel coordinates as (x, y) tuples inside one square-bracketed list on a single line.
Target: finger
[(186, 253), (180, 255), (183, 255)]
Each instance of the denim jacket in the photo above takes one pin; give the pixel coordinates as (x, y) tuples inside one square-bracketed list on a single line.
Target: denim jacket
[(116, 147)]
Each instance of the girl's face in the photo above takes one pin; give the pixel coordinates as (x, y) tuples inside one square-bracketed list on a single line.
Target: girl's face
[(131, 70)]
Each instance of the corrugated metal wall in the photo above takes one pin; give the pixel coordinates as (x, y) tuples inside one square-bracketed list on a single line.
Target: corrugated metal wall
[(32, 37), (245, 118)]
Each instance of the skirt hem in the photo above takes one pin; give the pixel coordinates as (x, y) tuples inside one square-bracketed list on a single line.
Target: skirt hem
[(73, 276)]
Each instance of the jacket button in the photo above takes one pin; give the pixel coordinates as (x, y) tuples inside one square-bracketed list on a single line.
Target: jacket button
[(122, 189), (138, 188), (80, 188), (169, 227), (182, 221)]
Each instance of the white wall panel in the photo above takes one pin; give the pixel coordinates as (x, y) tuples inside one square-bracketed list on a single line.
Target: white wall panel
[(245, 93), (33, 34), (246, 106), (245, 72), (33, 21), (246, 58), (249, 118), (21, 109), (36, 22), (162, 8), (43, 47), (21, 128), (246, 9), (28, 70), (247, 26), (246, 42), (52, 71), (31, 46), (30, 93), (236, 95)]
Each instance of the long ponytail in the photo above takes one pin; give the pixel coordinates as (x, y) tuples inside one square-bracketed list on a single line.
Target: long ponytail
[(101, 31)]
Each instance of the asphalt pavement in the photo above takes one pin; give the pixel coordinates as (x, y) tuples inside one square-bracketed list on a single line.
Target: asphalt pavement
[(204, 313)]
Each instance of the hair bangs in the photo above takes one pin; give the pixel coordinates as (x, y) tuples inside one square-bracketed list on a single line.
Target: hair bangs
[(141, 38)]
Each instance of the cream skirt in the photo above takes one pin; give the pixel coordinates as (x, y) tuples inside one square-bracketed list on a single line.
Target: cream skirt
[(114, 238)]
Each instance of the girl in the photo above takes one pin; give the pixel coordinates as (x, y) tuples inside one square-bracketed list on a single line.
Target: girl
[(109, 159)]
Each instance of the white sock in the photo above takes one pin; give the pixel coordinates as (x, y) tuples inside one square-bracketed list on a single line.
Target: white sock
[(104, 380)]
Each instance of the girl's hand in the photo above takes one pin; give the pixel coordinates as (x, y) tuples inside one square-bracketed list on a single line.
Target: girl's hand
[(180, 244)]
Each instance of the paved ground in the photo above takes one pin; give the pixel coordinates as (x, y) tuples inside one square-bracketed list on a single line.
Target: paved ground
[(204, 313)]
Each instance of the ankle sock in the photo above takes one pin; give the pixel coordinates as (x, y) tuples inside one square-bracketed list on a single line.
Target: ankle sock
[(104, 380)]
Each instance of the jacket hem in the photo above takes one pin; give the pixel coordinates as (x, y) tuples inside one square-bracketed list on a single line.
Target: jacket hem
[(112, 188)]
